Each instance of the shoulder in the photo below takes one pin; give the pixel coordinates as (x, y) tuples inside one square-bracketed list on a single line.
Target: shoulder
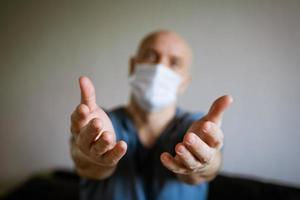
[(189, 116), (115, 112), (185, 118), (116, 115)]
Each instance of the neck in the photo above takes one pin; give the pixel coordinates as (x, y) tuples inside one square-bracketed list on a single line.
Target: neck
[(150, 122)]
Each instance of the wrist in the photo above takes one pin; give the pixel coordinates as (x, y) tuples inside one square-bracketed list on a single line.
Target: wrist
[(95, 172), (87, 168)]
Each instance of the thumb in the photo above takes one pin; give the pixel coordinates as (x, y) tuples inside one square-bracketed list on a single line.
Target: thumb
[(218, 108), (88, 95)]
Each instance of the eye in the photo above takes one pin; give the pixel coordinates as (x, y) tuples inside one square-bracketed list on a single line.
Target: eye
[(175, 62), (149, 56)]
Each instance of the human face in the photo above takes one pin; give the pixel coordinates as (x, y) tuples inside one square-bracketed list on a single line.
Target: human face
[(165, 48)]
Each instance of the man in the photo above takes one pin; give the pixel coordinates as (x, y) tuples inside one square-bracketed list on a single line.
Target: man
[(148, 149)]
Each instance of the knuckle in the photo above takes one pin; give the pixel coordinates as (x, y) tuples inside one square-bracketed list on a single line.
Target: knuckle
[(106, 139), (180, 171), (73, 129), (96, 124), (220, 134), (98, 149), (113, 161), (93, 126), (115, 156), (189, 138), (189, 163), (215, 142), (93, 121), (77, 141), (220, 145), (72, 117), (81, 110), (179, 148), (207, 157), (191, 166), (176, 170), (80, 146), (76, 123), (218, 141), (197, 166), (95, 149)]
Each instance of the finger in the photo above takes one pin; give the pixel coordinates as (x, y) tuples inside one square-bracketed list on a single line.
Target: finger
[(88, 95), (217, 109), (198, 147), (78, 118), (170, 163), (113, 156), (104, 143), (186, 157), (212, 135), (88, 135)]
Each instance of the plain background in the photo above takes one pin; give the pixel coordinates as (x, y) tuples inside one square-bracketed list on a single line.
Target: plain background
[(249, 49)]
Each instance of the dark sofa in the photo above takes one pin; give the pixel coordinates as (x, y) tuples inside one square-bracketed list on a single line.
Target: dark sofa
[(63, 185)]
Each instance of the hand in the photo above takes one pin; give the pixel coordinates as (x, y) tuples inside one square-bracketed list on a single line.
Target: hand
[(93, 136), (201, 144)]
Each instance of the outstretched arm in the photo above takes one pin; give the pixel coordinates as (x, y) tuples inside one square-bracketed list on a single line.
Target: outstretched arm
[(198, 156), (94, 148)]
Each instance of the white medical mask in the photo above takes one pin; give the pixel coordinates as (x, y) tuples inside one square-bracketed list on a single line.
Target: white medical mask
[(154, 86)]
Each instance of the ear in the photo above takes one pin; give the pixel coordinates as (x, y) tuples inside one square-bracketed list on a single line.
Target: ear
[(184, 84), (131, 69)]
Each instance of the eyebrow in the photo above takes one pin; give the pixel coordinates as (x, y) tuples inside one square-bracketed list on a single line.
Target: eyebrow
[(177, 58), (149, 49)]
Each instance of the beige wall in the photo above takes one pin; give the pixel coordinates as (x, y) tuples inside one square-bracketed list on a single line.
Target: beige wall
[(250, 49)]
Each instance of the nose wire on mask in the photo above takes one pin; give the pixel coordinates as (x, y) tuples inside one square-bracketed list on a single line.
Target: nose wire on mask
[(154, 86)]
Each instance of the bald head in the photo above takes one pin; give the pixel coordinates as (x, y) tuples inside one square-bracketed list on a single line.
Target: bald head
[(165, 47), (166, 36)]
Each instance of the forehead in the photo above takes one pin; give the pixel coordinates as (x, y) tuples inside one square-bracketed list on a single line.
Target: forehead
[(167, 43)]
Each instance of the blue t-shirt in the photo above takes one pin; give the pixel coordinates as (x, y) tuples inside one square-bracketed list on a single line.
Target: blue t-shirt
[(140, 174)]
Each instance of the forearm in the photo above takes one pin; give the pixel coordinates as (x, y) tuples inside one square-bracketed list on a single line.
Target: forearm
[(208, 173), (95, 172)]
